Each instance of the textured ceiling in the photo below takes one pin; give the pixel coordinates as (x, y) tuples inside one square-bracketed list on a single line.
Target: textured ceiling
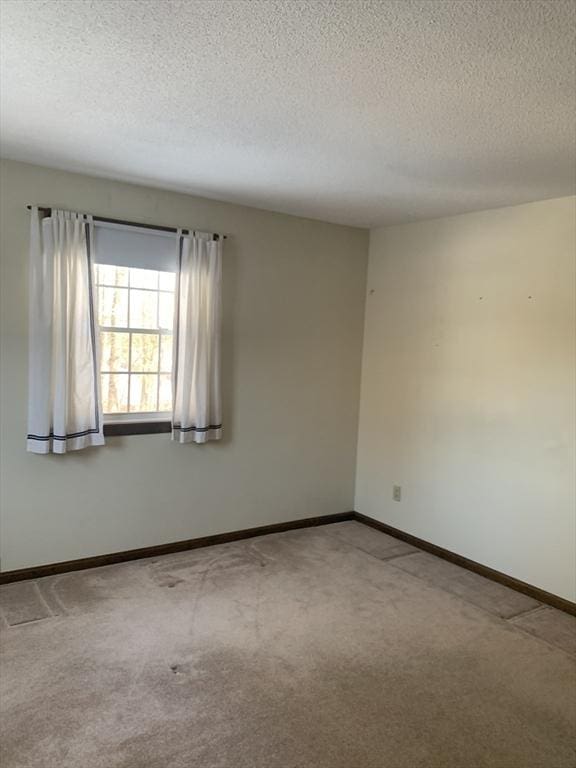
[(358, 112)]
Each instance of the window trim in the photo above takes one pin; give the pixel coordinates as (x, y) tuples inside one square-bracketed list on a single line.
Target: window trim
[(149, 427), (137, 422), (136, 416)]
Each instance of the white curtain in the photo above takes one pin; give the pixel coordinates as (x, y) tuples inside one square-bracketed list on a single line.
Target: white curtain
[(197, 413), (64, 406)]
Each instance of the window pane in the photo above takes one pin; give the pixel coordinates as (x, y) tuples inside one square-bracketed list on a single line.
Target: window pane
[(166, 353), (167, 281), (143, 391), (113, 307), (143, 278), (111, 275), (166, 310), (145, 299), (165, 400), (145, 351), (143, 309), (114, 351), (114, 392)]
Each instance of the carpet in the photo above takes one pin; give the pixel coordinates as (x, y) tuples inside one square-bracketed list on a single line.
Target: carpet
[(328, 647)]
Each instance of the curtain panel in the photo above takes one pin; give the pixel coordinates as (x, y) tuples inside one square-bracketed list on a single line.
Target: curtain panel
[(64, 406), (197, 415)]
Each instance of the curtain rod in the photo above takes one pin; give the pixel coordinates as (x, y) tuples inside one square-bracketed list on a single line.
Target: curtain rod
[(122, 222)]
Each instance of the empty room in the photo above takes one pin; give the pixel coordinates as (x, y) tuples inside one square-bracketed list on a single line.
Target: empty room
[(288, 384)]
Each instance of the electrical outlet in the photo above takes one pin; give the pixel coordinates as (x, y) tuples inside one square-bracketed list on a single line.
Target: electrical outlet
[(397, 492)]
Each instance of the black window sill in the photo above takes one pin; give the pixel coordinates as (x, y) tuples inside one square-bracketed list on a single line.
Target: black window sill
[(119, 428)]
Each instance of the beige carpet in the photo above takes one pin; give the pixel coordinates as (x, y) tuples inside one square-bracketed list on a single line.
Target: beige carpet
[(332, 647)]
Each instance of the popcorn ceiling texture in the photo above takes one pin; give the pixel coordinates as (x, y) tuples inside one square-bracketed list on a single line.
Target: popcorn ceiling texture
[(359, 112)]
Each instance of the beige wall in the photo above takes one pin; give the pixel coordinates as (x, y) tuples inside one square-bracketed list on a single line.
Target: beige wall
[(468, 387), (294, 299)]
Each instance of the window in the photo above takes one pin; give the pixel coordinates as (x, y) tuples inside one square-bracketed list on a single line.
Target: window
[(131, 283), (136, 315)]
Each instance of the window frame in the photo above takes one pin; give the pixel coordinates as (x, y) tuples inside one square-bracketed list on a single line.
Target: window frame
[(149, 427), (136, 422)]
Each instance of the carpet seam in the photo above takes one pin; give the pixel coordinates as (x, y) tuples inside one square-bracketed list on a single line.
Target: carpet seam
[(417, 551), (42, 599), (454, 594), (521, 615), (539, 639)]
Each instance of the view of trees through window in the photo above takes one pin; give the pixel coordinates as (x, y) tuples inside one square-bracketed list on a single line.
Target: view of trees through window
[(135, 309)]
